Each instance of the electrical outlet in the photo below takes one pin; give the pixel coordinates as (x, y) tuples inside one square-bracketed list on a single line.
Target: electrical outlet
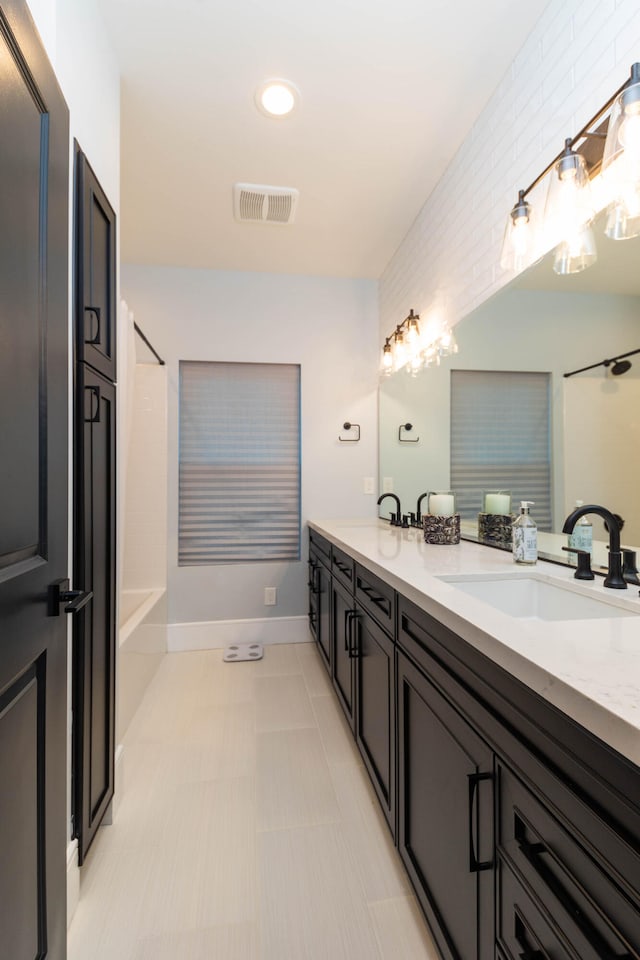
[(367, 484), (387, 484), (270, 597)]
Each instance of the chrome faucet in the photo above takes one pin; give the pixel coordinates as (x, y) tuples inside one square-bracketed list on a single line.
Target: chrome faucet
[(614, 577), (396, 519)]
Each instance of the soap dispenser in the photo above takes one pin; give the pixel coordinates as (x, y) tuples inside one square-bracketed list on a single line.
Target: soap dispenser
[(582, 536), (525, 535)]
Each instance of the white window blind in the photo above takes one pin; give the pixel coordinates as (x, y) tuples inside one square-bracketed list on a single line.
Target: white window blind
[(239, 462), (501, 439)]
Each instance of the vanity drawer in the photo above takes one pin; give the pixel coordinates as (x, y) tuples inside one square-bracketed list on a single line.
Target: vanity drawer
[(523, 927), (563, 852), (376, 597), (320, 546), (343, 567)]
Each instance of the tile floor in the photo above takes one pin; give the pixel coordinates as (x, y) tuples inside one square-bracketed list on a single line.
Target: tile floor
[(248, 829)]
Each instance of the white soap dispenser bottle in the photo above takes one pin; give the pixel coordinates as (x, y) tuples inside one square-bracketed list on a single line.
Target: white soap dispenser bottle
[(525, 535)]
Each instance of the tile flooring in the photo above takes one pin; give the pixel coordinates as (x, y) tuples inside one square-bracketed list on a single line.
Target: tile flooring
[(248, 829)]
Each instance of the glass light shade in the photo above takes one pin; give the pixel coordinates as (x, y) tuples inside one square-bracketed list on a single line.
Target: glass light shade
[(415, 364), (569, 204), (399, 351), (623, 218), (387, 359), (447, 344), (413, 330), (621, 158), (519, 245), (576, 253)]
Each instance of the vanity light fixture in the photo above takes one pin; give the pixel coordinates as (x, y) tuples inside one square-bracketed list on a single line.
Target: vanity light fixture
[(404, 348), (277, 98), (569, 208)]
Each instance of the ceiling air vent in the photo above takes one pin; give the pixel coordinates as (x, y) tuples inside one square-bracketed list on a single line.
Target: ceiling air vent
[(255, 203)]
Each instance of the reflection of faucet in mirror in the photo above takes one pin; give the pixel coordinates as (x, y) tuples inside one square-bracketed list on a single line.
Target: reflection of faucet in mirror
[(418, 505), (614, 576), (396, 519)]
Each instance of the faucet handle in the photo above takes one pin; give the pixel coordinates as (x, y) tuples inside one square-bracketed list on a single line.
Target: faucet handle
[(629, 568), (583, 571)]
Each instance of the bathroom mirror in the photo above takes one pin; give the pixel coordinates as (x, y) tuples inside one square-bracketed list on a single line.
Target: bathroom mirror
[(539, 322)]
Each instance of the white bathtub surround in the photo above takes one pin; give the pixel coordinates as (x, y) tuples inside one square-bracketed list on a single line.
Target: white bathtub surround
[(217, 634), (142, 646), (589, 668)]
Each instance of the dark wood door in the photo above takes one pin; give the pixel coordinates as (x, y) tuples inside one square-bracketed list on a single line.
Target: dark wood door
[(95, 283), (445, 817), (342, 612), (34, 148), (375, 709), (94, 636)]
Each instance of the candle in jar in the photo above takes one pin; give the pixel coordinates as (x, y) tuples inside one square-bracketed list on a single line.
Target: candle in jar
[(441, 504), (497, 503)]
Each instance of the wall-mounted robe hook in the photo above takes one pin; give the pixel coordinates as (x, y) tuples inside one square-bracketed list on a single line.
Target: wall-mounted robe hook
[(350, 426), (406, 427)]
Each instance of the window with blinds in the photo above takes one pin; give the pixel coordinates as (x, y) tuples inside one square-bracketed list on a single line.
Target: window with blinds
[(239, 462), (501, 439)]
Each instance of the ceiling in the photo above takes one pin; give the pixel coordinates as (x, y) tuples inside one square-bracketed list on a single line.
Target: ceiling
[(388, 93)]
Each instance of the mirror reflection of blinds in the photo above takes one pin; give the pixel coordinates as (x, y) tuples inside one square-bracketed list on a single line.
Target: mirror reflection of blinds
[(239, 480), (501, 439)]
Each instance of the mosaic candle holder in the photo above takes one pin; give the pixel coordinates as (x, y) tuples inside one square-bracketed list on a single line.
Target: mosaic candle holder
[(495, 528), (443, 530)]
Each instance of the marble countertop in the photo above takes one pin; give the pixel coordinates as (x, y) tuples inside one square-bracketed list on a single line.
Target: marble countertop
[(589, 669)]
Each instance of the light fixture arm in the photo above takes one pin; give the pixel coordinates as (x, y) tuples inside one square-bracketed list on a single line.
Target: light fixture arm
[(585, 131)]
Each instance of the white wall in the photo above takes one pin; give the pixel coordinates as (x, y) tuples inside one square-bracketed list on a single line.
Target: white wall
[(578, 54), (329, 327)]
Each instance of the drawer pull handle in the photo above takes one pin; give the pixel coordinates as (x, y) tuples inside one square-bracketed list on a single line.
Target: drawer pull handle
[(475, 865), (533, 852), (343, 568), (379, 601), (520, 934)]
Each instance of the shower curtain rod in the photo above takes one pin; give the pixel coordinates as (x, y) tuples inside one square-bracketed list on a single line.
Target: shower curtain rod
[(153, 350), (602, 363)]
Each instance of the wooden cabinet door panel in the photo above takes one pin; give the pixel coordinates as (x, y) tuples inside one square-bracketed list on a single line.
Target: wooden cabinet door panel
[(445, 816)]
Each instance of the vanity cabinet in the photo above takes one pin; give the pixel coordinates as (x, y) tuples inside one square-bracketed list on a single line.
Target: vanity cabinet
[(373, 650), (519, 829), (319, 584)]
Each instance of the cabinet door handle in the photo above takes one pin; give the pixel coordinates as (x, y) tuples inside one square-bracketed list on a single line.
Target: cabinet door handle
[(475, 865), (354, 646), (311, 583), (94, 395), (96, 313)]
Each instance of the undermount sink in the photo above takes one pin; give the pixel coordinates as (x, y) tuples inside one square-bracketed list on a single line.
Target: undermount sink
[(530, 598)]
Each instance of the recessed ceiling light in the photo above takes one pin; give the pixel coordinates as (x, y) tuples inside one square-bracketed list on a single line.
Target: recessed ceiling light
[(277, 98)]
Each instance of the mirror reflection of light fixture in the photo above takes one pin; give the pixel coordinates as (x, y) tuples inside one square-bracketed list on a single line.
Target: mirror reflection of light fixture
[(404, 348), (569, 208)]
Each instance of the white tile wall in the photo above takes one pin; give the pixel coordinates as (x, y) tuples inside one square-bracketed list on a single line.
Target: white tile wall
[(578, 54), (145, 528)]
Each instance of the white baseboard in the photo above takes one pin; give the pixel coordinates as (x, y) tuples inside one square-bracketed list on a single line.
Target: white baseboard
[(73, 880), (216, 634)]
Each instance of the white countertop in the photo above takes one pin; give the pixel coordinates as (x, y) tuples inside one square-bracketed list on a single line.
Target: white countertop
[(589, 669)]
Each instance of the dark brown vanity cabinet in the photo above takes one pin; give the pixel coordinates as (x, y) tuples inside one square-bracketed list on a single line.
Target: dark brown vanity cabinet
[(319, 584), (373, 649), (445, 816), (519, 829)]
